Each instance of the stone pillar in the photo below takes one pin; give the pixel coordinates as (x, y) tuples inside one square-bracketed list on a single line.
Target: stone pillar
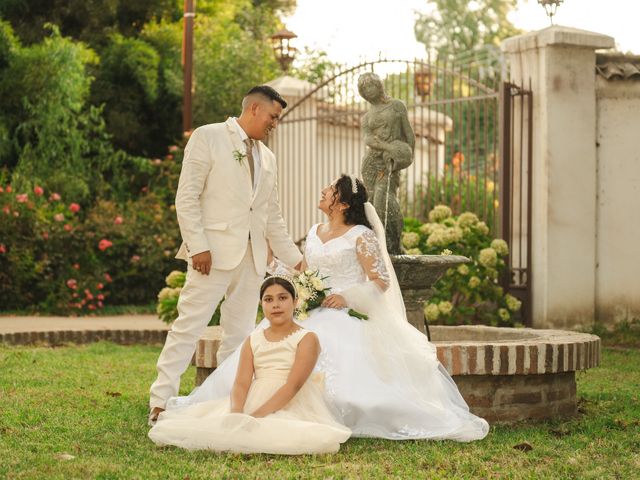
[(560, 64)]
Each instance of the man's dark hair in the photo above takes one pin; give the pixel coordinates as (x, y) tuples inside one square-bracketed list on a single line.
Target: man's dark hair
[(268, 92)]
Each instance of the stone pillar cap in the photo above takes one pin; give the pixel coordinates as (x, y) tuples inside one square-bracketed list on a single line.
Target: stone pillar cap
[(557, 35)]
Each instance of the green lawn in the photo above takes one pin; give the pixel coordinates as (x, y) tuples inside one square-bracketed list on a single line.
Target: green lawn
[(91, 402)]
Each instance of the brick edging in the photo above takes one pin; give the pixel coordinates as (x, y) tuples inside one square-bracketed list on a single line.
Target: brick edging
[(122, 337), (520, 358)]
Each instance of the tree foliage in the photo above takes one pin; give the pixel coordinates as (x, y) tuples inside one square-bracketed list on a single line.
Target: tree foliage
[(454, 27)]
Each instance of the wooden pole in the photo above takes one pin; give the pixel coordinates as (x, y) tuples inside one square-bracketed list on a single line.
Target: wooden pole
[(187, 64)]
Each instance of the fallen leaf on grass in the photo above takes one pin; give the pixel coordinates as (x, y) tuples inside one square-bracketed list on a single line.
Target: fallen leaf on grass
[(65, 456), (114, 394), (524, 447)]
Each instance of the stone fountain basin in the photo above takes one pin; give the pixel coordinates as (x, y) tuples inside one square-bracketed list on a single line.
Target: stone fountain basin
[(504, 374)]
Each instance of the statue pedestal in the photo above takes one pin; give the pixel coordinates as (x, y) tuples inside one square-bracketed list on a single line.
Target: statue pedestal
[(416, 275)]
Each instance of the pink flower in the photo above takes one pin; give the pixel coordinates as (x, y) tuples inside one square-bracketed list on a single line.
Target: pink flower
[(6, 209), (76, 266), (144, 189), (74, 207), (16, 214), (100, 296), (75, 295), (54, 197), (156, 161), (1, 189), (68, 227), (100, 304), (22, 197), (173, 148), (100, 286), (117, 220), (59, 217), (91, 306), (72, 283), (108, 278), (169, 157), (104, 244), (39, 191), (135, 259), (45, 235), (8, 189), (3, 249)]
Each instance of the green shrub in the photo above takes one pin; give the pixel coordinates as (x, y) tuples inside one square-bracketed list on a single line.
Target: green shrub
[(55, 256), (167, 306), (470, 293)]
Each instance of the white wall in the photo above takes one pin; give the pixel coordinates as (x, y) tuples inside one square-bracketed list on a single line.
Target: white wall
[(618, 206)]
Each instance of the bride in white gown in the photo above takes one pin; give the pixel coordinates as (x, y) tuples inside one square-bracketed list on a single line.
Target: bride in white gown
[(382, 376)]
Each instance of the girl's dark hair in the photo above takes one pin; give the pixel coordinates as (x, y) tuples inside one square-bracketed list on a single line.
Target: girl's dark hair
[(354, 215), (286, 284)]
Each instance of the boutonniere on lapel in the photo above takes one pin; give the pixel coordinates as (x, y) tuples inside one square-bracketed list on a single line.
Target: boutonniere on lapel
[(239, 155)]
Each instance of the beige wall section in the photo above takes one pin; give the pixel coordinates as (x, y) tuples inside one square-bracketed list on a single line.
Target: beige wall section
[(560, 62), (618, 206)]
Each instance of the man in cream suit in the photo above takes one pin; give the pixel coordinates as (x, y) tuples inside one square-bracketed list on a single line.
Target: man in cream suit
[(228, 209)]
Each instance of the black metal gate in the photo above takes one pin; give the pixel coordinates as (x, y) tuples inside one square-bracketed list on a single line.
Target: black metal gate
[(516, 121)]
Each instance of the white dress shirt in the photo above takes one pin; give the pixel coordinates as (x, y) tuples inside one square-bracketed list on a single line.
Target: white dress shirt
[(256, 153)]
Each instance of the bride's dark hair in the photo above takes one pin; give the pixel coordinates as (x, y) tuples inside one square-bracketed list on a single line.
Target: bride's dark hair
[(354, 215)]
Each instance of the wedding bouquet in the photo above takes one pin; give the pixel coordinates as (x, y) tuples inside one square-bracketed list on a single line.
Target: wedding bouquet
[(312, 291)]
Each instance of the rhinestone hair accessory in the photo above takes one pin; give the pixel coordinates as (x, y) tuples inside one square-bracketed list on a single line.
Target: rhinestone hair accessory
[(286, 278), (354, 184)]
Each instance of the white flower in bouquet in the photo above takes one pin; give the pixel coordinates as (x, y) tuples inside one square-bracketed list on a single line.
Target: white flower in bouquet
[(304, 294), (317, 284)]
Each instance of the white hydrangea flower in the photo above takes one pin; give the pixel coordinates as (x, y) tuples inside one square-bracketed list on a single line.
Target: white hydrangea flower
[(410, 239), (445, 307), (432, 312), (513, 303), (438, 238), (503, 313), (175, 279), (500, 246), (165, 293), (446, 251), (488, 257), (463, 269), (467, 219), (483, 228), (474, 282), (439, 212)]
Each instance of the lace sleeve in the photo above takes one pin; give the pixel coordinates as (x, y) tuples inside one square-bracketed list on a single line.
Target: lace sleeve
[(368, 251), (277, 267)]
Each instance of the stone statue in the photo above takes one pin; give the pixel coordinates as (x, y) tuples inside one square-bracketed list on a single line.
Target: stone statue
[(390, 142)]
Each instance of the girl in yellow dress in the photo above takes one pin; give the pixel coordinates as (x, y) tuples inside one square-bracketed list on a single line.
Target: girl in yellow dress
[(276, 403)]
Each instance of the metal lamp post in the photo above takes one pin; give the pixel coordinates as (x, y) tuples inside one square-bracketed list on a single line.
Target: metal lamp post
[(551, 7), (284, 51)]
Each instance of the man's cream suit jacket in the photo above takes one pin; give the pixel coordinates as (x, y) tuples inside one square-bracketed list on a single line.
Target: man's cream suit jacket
[(217, 207)]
